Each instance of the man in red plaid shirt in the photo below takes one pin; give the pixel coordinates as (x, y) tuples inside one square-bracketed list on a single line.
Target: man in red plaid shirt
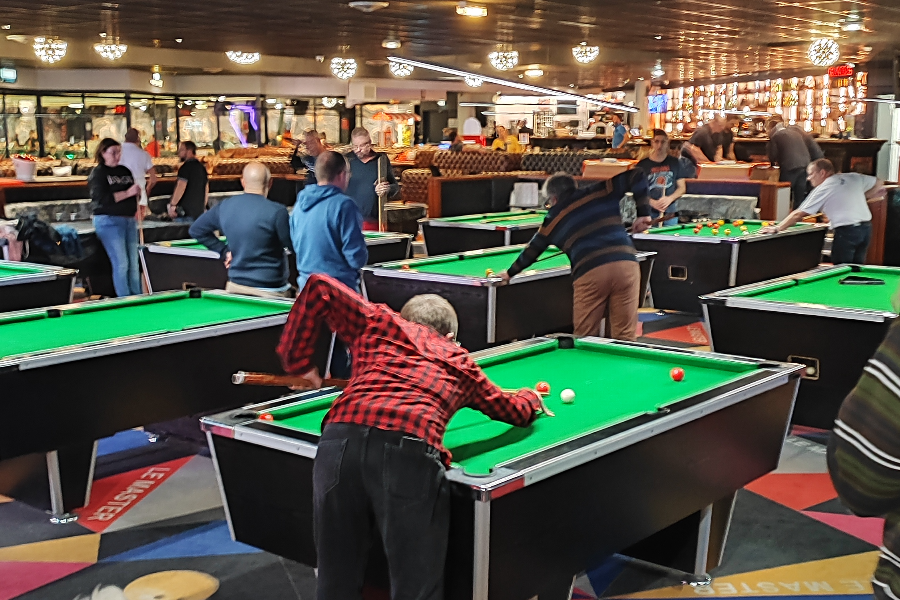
[(381, 460)]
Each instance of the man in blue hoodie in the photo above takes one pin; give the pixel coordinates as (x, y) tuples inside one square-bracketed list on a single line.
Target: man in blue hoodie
[(326, 231)]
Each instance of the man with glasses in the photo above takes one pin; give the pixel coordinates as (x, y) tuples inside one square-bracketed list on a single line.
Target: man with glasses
[(371, 176)]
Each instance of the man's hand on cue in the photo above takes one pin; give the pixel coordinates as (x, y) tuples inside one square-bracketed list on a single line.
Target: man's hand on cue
[(313, 377), (641, 224), (544, 408)]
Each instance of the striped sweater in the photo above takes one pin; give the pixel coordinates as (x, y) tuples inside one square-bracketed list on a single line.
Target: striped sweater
[(864, 455), (587, 225)]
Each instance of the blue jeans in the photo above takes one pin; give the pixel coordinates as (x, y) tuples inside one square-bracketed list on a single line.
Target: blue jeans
[(119, 236), (655, 214), (851, 243)]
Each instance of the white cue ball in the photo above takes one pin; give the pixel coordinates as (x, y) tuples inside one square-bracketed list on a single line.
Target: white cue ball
[(567, 396)]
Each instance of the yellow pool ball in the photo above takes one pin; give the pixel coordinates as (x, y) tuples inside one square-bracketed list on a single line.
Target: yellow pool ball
[(721, 222), (715, 232), (488, 272), (739, 222), (727, 232), (764, 224), (743, 228)]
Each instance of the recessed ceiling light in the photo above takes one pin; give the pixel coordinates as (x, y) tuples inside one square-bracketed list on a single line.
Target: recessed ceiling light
[(534, 72), (6, 27), (475, 11), (659, 37), (103, 35), (368, 6), (179, 40), (391, 43)]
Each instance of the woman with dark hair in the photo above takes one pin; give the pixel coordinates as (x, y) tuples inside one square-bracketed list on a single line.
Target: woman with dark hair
[(114, 196)]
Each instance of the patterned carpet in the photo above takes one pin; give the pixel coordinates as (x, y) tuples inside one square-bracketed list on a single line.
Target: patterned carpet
[(155, 528)]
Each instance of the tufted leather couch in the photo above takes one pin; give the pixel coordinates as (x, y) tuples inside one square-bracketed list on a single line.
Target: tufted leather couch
[(556, 162), (453, 164)]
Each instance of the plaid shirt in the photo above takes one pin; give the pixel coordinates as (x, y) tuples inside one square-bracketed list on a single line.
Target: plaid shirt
[(406, 377)]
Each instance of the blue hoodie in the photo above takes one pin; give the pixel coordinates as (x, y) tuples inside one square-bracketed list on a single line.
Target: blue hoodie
[(326, 231)]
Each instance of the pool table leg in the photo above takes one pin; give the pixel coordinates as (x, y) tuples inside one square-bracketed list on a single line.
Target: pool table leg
[(70, 473)]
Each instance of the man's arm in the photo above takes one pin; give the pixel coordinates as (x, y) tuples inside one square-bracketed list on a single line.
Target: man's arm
[(695, 152), (180, 186), (151, 179), (529, 254), (864, 450), (792, 219), (327, 300), (206, 195), (518, 409), (355, 251), (283, 228), (815, 151), (204, 231), (772, 152), (877, 190)]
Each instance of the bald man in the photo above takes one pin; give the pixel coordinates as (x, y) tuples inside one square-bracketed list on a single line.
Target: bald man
[(256, 232)]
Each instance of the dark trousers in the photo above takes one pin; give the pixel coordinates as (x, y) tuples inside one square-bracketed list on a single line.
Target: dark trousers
[(370, 483), (851, 243), (797, 179)]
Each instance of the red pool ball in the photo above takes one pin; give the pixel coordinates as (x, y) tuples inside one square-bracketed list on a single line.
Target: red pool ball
[(543, 387), (266, 417), (676, 374)]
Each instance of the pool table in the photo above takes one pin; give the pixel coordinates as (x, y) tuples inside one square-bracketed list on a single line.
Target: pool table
[(536, 302), (27, 285), (648, 468), (183, 264), (690, 264), (448, 235), (73, 374), (813, 319), (738, 171)]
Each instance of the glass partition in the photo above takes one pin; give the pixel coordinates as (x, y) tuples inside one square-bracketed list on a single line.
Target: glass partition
[(154, 118), (21, 124)]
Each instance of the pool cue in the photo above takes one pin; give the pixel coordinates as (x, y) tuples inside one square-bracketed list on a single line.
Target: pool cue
[(380, 200), (658, 219), (251, 378)]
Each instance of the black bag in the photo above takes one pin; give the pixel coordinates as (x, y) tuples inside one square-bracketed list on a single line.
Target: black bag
[(39, 235)]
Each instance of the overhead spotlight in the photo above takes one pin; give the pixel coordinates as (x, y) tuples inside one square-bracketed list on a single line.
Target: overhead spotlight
[(391, 43), (534, 73), (179, 40), (5, 26), (465, 9), (657, 71), (368, 6)]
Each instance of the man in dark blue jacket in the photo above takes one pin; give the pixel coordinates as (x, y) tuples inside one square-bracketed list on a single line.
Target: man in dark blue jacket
[(326, 229), (256, 232)]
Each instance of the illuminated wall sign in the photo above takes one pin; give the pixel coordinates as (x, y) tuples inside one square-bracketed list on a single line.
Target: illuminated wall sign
[(840, 71), (8, 75)]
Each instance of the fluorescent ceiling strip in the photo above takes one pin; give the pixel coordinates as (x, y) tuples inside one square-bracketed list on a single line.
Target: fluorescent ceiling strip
[(512, 84)]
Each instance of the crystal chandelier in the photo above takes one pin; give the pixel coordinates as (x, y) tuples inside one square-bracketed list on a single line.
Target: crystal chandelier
[(585, 54), (400, 69), (473, 81), (343, 68), (242, 58), (824, 52), (504, 61), (111, 50), (50, 50), (329, 102)]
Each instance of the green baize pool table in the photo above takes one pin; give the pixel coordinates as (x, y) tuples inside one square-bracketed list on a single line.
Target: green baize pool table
[(636, 457)]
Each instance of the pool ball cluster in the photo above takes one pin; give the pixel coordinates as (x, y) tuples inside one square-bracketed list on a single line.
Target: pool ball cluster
[(567, 396), (721, 224)]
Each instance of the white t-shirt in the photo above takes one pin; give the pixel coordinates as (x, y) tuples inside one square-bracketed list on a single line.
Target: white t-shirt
[(842, 197), (138, 162)]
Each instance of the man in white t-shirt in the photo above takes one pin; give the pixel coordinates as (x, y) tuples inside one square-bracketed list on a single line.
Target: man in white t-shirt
[(139, 163), (842, 198)]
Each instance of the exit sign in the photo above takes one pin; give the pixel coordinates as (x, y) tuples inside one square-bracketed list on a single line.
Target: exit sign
[(840, 71)]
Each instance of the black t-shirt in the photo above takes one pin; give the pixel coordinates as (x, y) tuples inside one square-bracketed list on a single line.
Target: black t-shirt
[(725, 138), (704, 139), (193, 202), (103, 183), (661, 176)]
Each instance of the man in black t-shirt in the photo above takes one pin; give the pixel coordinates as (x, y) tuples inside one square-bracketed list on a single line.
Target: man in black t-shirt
[(705, 145), (192, 189), (665, 181)]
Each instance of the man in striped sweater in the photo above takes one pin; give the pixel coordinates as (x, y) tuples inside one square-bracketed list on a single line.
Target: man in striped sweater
[(586, 224), (864, 456)]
